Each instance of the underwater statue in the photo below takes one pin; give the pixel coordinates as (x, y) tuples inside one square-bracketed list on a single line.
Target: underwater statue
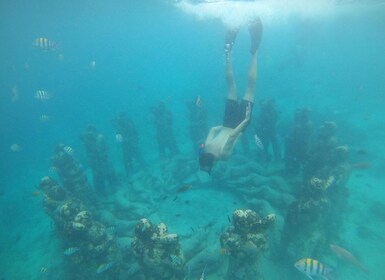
[(314, 219), (127, 136), (163, 122), (266, 129), (103, 172), (198, 122), (88, 243), (297, 142), (71, 173)]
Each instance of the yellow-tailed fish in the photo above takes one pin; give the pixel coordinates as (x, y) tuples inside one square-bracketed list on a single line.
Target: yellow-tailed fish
[(70, 251), (313, 268), (104, 267), (45, 44)]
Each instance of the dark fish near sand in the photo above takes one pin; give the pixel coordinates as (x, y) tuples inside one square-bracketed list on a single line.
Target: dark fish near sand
[(71, 251), (313, 268), (45, 44), (361, 165), (184, 188), (347, 256)]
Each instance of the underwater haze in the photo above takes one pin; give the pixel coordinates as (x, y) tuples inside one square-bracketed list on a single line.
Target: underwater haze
[(104, 111)]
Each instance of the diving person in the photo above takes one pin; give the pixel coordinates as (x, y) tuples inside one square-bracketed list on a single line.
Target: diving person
[(221, 140)]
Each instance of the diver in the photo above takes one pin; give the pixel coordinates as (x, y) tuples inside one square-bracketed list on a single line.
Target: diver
[(221, 140), (265, 129), (127, 135), (164, 133), (198, 122)]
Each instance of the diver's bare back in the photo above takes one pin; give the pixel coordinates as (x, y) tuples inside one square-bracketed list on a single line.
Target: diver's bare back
[(219, 145)]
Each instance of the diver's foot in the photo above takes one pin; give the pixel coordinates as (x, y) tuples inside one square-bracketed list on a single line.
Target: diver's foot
[(231, 35), (255, 30)]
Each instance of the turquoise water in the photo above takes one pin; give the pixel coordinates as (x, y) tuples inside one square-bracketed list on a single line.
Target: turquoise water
[(127, 56)]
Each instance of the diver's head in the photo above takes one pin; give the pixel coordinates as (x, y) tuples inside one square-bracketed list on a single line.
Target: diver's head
[(206, 162)]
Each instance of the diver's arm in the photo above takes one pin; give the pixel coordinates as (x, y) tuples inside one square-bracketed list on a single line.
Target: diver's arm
[(237, 131)]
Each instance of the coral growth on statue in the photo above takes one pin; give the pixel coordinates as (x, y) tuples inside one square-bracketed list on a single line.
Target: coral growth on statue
[(158, 252), (245, 242)]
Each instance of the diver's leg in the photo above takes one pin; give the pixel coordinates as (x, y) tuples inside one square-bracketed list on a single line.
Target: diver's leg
[(229, 42), (255, 30), (251, 80)]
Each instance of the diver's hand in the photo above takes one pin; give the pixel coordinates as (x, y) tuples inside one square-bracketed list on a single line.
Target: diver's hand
[(248, 112)]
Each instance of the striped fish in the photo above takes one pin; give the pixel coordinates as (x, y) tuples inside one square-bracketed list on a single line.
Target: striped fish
[(104, 267), (45, 44), (258, 142), (70, 251), (313, 268), (42, 95)]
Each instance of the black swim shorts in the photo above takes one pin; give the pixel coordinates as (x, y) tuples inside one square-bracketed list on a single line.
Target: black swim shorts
[(235, 113)]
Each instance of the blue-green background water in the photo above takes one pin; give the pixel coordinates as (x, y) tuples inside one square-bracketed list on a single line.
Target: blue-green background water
[(149, 51)]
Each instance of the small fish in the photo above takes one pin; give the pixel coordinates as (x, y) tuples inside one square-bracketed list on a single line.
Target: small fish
[(175, 198), (15, 148), (313, 268), (68, 150), (362, 152), (258, 142), (44, 118), (92, 65), (45, 44), (43, 269), (110, 230), (361, 165), (119, 138), (198, 101), (224, 251), (192, 229), (203, 273), (176, 260), (36, 193), (52, 170), (347, 256), (104, 267), (42, 95), (184, 188), (70, 251), (15, 94), (229, 219)]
